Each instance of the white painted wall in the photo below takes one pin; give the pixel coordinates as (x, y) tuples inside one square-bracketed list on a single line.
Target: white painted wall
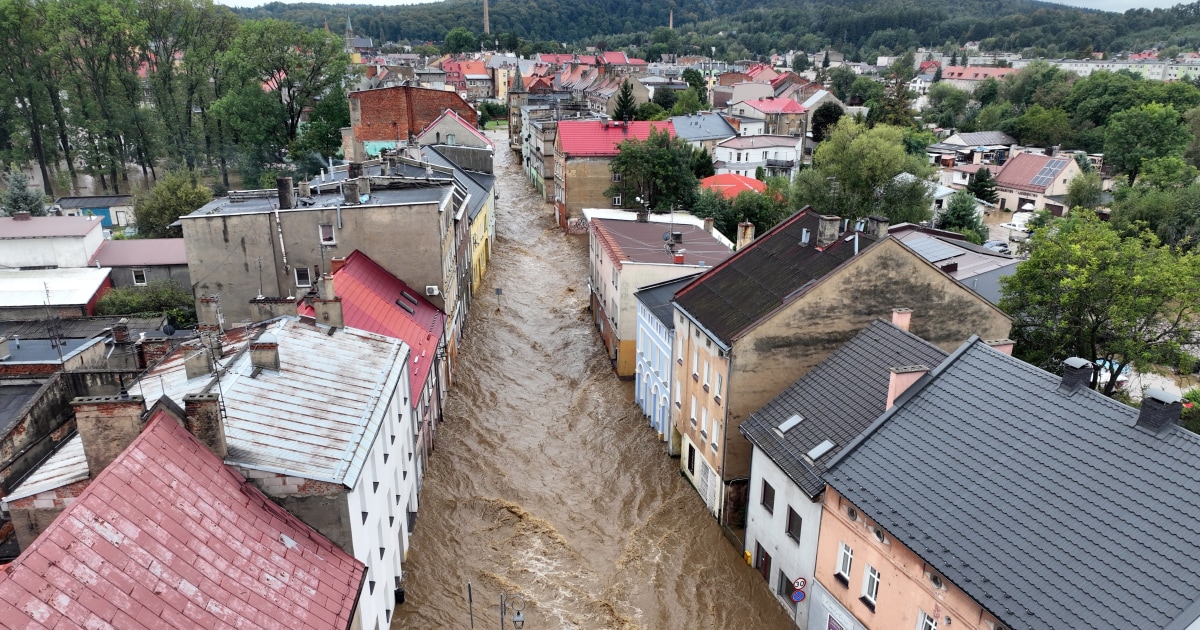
[(64, 251), (652, 382)]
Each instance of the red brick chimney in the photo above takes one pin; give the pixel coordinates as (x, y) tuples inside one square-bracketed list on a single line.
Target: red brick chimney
[(202, 418)]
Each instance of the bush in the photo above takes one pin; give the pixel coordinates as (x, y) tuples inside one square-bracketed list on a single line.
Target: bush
[(1190, 417), (156, 298)]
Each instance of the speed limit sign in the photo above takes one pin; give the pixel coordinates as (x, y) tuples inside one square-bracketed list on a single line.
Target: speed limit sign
[(799, 584)]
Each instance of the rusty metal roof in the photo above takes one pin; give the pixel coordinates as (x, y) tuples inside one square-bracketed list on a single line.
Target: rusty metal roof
[(66, 465)]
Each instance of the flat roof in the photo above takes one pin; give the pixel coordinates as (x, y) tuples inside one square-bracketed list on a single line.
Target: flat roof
[(47, 227), (420, 192), (62, 287), (13, 399)]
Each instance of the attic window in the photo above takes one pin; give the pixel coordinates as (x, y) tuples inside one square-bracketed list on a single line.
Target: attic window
[(821, 449), (790, 423), (325, 232)]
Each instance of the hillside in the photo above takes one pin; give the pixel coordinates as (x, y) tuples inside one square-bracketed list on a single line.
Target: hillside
[(865, 27)]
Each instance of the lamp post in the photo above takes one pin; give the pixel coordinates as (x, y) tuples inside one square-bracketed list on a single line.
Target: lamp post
[(517, 603)]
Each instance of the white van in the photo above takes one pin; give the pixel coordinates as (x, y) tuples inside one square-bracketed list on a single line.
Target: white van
[(1018, 230)]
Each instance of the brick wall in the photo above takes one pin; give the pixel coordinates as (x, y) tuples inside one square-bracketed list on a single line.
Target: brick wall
[(396, 112)]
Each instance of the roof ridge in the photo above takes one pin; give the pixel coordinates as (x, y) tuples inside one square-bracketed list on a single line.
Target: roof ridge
[(750, 247)]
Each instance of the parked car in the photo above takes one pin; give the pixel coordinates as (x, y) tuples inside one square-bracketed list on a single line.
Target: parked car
[(1000, 247), (1018, 230)]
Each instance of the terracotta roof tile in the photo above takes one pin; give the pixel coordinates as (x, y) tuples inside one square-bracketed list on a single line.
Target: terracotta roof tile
[(595, 138), (731, 184), (128, 554)]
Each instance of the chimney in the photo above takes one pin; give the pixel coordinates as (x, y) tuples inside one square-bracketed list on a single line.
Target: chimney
[(708, 225), (643, 216), (328, 306), (4, 352), (202, 418), (208, 315), (153, 349), (121, 331), (677, 237), (678, 256), (364, 187), (1003, 346), (354, 170), (745, 234), (107, 425), (22, 215), (1159, 410), (827, 230), (901, 317), (901, 379), (877, 226), (305, 189), (197, 362), (287, 195), (264, 352), (1077, 373), (350, 192), (337, 263)]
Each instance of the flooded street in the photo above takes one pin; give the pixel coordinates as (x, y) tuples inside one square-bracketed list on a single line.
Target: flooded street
[(547, 481)]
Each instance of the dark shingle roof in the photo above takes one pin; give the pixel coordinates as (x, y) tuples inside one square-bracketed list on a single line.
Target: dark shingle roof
[(1051, 510), (763, 276), (657, 298), (837, 400), (479, 194), (97, 201)]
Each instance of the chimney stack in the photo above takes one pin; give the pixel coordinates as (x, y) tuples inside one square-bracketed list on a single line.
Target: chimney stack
[(121, 331), (877, 226), (209, 314), (197, 362), (827, 230), (22, 215), (202, 418), (364, 187), (679, 257), (107, 425), (1159, 410), (354, 170), (305, 189), (264, 352), (643, 216), (1077, 373), (350, 191), (327, 307), (1003, 346), (901, 379), (287, 195), (152, 350), (336, 263), (745, 234), (708, 225), (901, 318)]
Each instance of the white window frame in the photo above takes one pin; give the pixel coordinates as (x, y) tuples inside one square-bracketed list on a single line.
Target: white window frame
[(145, 278), (870, 589), (845, 561), (307, 277), (925, 621), (707, 375), (704, 422), (616, 177), (326, 235), (693, 416), (716, 433), (695, 363), (616, 200)]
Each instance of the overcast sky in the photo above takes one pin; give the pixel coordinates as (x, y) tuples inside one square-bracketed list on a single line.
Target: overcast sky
[(1107, 5)]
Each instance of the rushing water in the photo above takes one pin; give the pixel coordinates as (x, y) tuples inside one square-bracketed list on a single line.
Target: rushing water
[(546, 480)]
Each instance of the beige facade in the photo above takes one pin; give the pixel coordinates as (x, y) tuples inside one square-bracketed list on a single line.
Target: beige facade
[(909, 590), (748, 371), (1014, 199), (580, 182)]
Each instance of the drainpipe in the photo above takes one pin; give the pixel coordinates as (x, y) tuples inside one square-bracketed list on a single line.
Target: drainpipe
[(279, 228)]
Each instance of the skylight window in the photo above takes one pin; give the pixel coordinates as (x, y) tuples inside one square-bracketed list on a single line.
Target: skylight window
[(821, 449), (790, 423)]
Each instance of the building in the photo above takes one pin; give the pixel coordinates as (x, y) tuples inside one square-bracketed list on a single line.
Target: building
[(136, 262), (777, 156), (452, 129), (782, 116), (627, 254), (655, 338), (703, 130), (974, 266), (480, 188), (730, 185), (980, 147), (967, 78), (170, 536), (51, 293), (388, 117), (28, 242), (1067, 510), (749, 327), (798, 433), (1027, 181), (345, 464), (582, 152), (113, 210)]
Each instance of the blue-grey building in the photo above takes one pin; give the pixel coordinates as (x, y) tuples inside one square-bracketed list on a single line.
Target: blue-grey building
[(655, 338)]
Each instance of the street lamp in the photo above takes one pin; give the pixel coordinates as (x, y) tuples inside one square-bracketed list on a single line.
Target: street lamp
[(517, 604)]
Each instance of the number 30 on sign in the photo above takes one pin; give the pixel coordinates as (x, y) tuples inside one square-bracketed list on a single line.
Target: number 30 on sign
[(799, 584)]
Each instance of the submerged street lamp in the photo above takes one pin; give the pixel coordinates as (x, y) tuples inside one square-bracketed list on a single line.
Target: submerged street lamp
[(517, 604)]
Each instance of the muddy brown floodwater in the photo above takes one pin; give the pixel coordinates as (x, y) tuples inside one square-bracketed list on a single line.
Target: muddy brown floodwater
[(546, 480)]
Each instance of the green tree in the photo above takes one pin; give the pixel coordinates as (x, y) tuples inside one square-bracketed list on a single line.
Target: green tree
[(626, 106), (962, 215), (176, 194), (983, 186), (825, 116), (1141, 133), (987, 92), (1089, 292), (659, 170), (866, 90), (459, 40), (18, 197), (650, 111), (687, 103), (664, 98), (695, 80), (1041, 127), (800, 62), (937, 75), (840, 80), (710, 204), (702, 163), (1085, 191), (1167, 172), (321, 136), (156, 298)]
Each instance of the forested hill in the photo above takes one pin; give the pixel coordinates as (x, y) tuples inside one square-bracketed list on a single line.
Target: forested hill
[(760, 26)]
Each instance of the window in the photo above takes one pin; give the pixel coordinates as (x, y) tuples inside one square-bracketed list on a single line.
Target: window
[(707, 374), (716, 433), (139, 277), (691, 460), (678, 397), (616, 177), (739, 156), (845, 560), (325, 230), (768, 497), (717, 389), (696, 364), (786, 587), (926, 622), (302, 279), (704, 422), (794, 522), (616, 201), (450, 138), (679, 350), (693, 416), (870, 586), (764, 155)]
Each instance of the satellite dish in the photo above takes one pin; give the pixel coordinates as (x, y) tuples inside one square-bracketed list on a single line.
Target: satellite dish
[(168, 330), (666, 236)]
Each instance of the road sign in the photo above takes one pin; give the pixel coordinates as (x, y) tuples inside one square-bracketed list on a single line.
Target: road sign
[(799, 584), (797, 596)]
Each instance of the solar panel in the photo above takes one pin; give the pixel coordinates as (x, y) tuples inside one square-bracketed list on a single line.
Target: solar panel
[(933, 250), (1048, 172)]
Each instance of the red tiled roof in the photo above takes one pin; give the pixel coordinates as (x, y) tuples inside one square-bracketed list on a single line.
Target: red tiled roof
[(596, 138), (168, 536), (731, 185), (1020, 170), (975, 73), (776, 105), (369, 294), (133, 252)]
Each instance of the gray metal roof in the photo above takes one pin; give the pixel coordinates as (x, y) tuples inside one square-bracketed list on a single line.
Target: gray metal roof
[(420, 192), (97, 201), (982, 138), (699, 127), (839, 398), (479, 193), (987, 284), (1050, 509), (657, 297)]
